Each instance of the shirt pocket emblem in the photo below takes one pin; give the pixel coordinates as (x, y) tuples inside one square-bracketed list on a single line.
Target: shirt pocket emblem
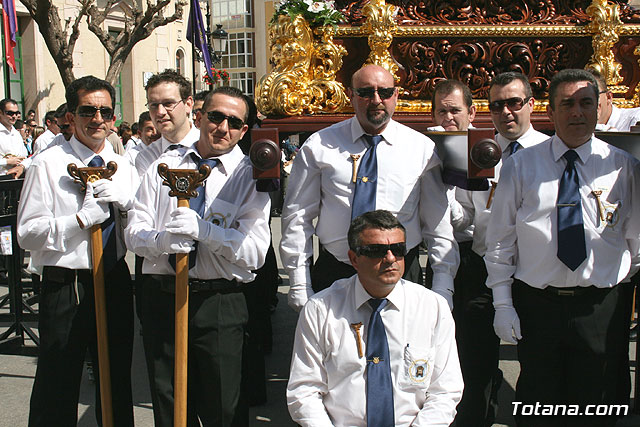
[(221, 213), (611, 213), (418, 366)]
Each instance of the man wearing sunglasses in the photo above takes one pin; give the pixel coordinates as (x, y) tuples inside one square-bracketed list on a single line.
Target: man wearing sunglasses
[(54, 221), (169, 101), (47, 137), (610, 117), (12, 148), (561, 240), (511, 104), (370, 155), (226, 229), (375, 349)]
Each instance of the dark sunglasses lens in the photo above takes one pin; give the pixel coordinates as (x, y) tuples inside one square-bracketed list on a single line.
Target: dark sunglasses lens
[(365, 92), (216, 117), (64, 127), (386, 92), (380, 251), (12, 113), (513, 104), (89, 111)]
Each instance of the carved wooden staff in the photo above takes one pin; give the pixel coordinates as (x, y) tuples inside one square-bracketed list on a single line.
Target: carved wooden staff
[(82, 176), (183, 184)]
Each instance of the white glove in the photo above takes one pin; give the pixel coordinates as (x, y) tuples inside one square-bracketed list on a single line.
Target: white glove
[(447, 294), (170, 243), (506, 323), (108, 191), (93, 211), (298, 295), (187, 221)]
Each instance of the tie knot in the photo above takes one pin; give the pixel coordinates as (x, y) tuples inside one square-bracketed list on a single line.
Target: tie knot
[(212, 163), (96, 162), (377, 304), (372, 140), (570, 155), (513, 147)]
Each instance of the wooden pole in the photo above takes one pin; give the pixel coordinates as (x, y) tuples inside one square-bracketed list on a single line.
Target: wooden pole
[(181, 335), (101, 326)]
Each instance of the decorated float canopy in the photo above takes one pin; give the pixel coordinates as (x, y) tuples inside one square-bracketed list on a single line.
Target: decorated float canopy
[(317, 46)]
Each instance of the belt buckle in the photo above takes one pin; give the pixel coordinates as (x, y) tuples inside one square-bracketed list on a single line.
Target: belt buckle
[(566, 292)]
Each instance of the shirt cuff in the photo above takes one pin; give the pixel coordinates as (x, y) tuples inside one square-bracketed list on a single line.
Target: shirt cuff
[(300, 275), (442, 281), (502, 295)]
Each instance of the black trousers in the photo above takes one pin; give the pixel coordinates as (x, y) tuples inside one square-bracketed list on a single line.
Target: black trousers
[(573, 351), (327, 269), (216, 333), (478, 345), (67, 329)]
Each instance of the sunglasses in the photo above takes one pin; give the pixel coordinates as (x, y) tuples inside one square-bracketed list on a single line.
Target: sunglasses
[(380, 251), (12, 113), (513, 104), (369, 92), (90, 111), (65, 127), (217, 117)]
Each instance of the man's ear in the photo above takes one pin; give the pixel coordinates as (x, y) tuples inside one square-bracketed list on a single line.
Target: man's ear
[(353, 258)]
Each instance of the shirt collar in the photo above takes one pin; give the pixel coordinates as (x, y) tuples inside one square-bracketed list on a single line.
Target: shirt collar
[(3, 128), (614, 117), (190, 139), (523, 140), (558, 148), (228, 161), (85, 154), (357, 131), (395, 297)]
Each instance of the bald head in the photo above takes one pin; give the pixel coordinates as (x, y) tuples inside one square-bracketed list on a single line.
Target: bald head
[(373, 97)]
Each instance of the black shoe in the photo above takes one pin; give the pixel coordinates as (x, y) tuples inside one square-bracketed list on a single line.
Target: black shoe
[(633, 333)]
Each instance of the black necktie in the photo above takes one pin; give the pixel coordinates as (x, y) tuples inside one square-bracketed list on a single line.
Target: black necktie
[(513, 147), (571, 244), (109, 249), (364, 195), (379, 389), (198, 205)]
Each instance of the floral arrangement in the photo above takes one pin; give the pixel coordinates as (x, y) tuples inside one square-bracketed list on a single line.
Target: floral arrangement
[(218, 76), (317, 13)]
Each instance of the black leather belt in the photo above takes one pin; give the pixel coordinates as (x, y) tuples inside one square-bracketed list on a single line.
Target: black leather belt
[(219, 286), (64, 275), (569, 292)]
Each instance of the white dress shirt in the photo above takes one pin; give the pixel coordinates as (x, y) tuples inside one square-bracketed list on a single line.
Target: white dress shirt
[(59, 139), (134, 141), (240, 235), (409, 186), (11, 142), (327, 382), (159, 146), (43, 141), (50, 200), (522, 232), (470, 207), (621, 119), (132, 153)]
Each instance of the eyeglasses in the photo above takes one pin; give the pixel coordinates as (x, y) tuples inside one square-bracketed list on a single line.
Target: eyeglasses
[(217, 117), (90, 111), (380, 251), (369, 92), (168, 105), (12, 113), (513, 104)]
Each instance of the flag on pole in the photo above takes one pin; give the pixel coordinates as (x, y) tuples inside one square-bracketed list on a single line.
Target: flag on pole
[(10, 25), (196, 34)]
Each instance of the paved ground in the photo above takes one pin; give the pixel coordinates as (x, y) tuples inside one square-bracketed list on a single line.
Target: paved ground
[(17, 373)]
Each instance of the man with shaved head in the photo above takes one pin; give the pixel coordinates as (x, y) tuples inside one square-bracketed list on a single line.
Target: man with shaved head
[(365, 163)]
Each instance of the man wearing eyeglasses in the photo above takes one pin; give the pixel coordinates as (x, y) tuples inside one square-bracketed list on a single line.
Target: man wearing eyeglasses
[(226, 231), (54, 222), (375, 349), (169, 101), (562, 238), (364, 163), (610, 117), (12, 148), (511, 104)]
